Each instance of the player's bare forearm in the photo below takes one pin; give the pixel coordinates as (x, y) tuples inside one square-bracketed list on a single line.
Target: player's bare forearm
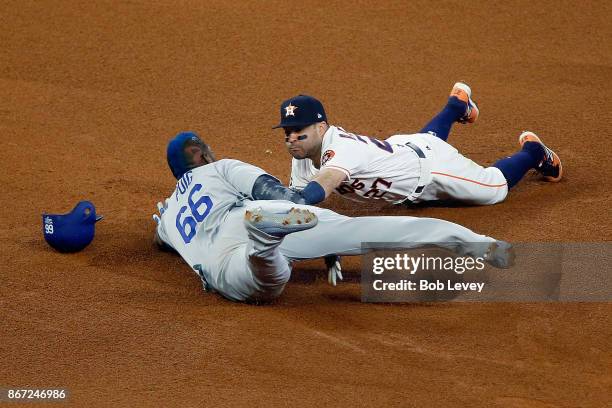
[(329, 179)]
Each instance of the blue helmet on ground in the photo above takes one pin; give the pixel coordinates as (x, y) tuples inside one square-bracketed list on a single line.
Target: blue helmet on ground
[(73, 231)]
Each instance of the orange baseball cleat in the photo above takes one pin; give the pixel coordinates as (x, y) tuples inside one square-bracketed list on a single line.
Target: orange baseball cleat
[(550, 167), (463, 92)]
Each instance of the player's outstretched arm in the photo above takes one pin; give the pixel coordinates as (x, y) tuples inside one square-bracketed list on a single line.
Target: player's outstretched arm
[(161, 244), (329, 180), (267, 187)]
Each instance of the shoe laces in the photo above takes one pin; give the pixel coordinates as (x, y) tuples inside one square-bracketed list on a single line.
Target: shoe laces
[(549, 157)]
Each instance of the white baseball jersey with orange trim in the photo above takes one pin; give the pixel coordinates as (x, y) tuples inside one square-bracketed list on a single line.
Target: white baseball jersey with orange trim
[(418, 167)]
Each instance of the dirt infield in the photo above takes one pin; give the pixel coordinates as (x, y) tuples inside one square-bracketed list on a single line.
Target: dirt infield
[(90, 93)]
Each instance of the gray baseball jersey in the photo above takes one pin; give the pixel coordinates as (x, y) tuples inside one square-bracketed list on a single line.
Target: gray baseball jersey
[(203, 222)]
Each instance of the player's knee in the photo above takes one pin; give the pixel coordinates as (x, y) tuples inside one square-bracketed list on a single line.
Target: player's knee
[(265, 293), (497, 189)]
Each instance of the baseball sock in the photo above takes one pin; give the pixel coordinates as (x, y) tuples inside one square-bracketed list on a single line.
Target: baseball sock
[(517, 165), (441, 124)]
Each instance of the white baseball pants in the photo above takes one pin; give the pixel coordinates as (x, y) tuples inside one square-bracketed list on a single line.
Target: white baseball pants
[(454, 176)]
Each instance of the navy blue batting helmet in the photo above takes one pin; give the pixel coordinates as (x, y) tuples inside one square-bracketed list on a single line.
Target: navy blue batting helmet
[(73, 231)]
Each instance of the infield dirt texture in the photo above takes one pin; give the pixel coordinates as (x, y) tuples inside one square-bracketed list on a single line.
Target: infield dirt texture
[(90, 93)]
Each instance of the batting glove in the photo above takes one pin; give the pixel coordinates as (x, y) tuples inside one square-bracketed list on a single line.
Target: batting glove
[(334, 269), (161, 208)]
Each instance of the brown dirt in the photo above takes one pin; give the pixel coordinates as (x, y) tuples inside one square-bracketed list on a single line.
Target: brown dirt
[(90, 92)]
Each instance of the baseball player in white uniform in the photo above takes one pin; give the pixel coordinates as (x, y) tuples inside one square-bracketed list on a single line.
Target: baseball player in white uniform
[(403, 168), (223, 219)]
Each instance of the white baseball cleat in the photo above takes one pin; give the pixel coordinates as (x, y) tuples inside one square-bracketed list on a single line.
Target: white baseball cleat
[(463, 92), (280, 224)]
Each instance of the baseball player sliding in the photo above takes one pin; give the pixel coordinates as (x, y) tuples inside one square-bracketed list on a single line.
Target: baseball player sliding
[(240, 230), (403, 168)]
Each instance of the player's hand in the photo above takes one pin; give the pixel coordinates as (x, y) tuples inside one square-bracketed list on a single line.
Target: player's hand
[(157, 218), (334, 269), (161, 208)]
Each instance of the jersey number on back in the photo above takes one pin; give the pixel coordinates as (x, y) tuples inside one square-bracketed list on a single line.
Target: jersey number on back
[(381, 144), (198, 211)]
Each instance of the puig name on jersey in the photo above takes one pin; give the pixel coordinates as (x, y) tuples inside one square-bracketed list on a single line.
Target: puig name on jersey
[(183, 184)]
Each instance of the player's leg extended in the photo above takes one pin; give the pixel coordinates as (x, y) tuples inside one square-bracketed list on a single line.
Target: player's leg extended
[(533, 155), (338, 234), (459, 108), (454, 177)]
